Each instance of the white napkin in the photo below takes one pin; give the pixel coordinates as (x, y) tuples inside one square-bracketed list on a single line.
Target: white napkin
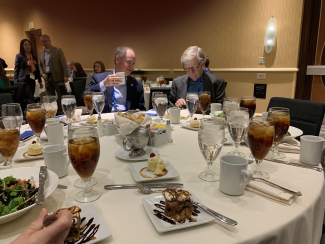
[(271, 192), (289, 149), (125, 123)]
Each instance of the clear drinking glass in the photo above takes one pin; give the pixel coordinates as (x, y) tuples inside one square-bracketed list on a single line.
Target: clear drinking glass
[(238, 121), (211, 137), (161, 104), (153, 102), (229, 103), (98, 99), (36, 117), (13, 109), (249, 102), (250, 159), (84, 152), (9, 139), (204, 101), (281, 119), (51, 105), (192, 102), (69, 106), (260, 139), (88, 101)]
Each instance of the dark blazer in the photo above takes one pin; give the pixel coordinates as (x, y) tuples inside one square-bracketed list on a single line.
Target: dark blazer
[(211, 83), (208, 71), (134, 95), (21, 69)]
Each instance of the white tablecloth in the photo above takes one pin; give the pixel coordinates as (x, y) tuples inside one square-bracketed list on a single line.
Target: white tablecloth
[(260, 220)]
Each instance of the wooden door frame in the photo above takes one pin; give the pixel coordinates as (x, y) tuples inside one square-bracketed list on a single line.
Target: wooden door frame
[(308, 45)]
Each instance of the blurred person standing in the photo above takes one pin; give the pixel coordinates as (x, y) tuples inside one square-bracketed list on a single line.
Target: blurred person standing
[(26, 69), (99, 67), (71, 70), (206, 65), (79, 71), (53, 68)]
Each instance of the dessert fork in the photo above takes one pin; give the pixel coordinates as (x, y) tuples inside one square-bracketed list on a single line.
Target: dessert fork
[(148, 190)]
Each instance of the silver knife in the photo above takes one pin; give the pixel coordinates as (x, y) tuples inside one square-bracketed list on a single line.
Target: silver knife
[(41, 188), (153, 185), (294, 164)]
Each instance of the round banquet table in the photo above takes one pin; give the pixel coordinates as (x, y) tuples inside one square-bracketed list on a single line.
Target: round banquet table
[(260, 219)]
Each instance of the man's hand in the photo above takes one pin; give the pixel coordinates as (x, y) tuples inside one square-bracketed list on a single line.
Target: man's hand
[(41, 85), (54, 233), (112, 80), (66, 79), (44, 76), (180, 102)]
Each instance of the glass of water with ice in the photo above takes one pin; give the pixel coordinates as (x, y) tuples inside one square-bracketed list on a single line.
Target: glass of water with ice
[(69, 106), (229, 103), (192, 102), (99, 102), (211, 137), (51, 106)]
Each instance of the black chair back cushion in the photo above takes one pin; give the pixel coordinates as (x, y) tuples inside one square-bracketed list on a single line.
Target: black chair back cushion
[(63, 89), (4, 99), (305, 115), (165, 90), (77, 88), (83, 79), (12, 90)]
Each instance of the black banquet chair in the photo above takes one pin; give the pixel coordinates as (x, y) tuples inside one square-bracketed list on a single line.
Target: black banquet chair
[(77, 88), (83, 79), (63, 89), (165, 90), (305, 115), (11, 90)]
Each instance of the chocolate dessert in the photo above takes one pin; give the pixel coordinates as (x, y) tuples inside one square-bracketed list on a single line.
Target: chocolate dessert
[(178, 205), (75, 229)]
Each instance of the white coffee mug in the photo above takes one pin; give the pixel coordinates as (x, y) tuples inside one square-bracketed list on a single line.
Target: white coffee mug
[(56, 159), (121, 74), (52, 121), (234, 175), (174, 115), (54, 133), (311, 150), (215, 107)]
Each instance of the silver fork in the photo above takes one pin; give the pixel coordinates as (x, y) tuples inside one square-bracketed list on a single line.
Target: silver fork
[(146, 189)]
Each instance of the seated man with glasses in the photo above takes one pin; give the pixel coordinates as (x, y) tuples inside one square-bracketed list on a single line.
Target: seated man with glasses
[(196, 79)]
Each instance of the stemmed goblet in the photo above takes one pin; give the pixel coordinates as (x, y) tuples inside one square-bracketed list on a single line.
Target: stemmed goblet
[(51, 106), (9, 139), (260, 139), (69, 106), (153, 102), (36, 116), (204, 101), (211, 137), (13, 109), (89, 102), (161, 104), (98, 99), (192, 102), (84, 152), (238, 121), (281, 119), (249, 102)]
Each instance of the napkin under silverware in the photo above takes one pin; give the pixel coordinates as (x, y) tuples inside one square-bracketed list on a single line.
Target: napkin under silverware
[(289, 149), (271, 192)]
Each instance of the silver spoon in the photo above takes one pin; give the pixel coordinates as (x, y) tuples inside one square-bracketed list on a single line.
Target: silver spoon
[(49, 219)]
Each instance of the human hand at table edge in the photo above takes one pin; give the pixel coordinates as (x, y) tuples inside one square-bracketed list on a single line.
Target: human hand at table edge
[(180, 102), (44, 76), (54, 233), (112, 80)]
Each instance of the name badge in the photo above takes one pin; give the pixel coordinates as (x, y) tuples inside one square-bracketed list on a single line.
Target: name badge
[(32, 76), (47, 68)]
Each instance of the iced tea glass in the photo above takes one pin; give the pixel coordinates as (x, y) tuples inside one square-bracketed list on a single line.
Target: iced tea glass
[(9, 139), (84, 152), (13, 109), (51, 105), (229, 103), (69, 106), (281, 118), (204, 101), (36, 117), (260, 138), (249, 102), (88, 101)]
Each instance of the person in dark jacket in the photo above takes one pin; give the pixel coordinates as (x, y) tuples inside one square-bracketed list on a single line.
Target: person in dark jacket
[(79, 71), (26, 69), (4, 64)]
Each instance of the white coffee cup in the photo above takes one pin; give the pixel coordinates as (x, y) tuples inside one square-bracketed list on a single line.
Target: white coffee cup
[(52, 121), (54, 133), (215, 107), (311, 150), (174, 115), (234, 175), (56, 159), (121, 74)]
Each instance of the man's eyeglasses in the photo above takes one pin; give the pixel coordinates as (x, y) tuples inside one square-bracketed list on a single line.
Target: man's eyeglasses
[(194, 69)]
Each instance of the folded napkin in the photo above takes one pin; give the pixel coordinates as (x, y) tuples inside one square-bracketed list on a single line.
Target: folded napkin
[(289, 149), (26, 134), (152, 112), (271, 192)]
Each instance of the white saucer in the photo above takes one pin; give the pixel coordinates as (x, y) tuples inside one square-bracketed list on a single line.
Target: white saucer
[(295, 132), (187, 126), (21, 152), (122, 154)]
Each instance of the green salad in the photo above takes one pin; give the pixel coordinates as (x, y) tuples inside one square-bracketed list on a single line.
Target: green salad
[(288, 134), (219, 115), (16, 194)]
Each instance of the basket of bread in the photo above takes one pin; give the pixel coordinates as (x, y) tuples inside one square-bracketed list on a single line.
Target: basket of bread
[(125, 123)]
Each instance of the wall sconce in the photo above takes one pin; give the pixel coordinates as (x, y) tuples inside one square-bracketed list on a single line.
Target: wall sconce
[(270, 34)]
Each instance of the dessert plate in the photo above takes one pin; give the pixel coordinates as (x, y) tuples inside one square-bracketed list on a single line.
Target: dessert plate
[(187, 126), (137, 167), (22, 155), (162, 226), (122, 154), (228, 140)]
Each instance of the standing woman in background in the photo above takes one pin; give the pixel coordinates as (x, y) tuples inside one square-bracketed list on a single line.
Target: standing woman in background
[(26, 69), (79, 71), (4, 80), (99, 67)]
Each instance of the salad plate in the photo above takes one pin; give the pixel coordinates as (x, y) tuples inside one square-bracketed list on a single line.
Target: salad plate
[(26, 173), (293, 133)]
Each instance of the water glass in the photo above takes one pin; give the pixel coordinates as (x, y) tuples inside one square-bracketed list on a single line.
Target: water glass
[(98, 99), (161, 104), (229, 103), (51, 105), (192, 102), (69, 106)]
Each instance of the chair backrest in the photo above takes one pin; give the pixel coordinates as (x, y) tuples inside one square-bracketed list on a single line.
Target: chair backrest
[(77, 88), (5, 98), (165, 90), (83, 79), (305, 115), (20, 96), (63, 89), (12, 90)]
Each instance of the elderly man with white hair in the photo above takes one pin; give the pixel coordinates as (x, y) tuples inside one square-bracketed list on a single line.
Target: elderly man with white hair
[(196, 79)]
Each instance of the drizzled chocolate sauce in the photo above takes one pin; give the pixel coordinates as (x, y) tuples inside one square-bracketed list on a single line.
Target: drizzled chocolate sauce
[(161, 214), (88, 232)]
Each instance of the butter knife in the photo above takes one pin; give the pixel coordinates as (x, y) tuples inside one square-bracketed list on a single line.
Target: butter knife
[(41, 188), (153, 185), (294, 164)]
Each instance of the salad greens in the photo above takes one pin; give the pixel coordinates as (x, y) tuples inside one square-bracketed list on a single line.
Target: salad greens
[(288, 134), (219, 115), (16, 194)]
